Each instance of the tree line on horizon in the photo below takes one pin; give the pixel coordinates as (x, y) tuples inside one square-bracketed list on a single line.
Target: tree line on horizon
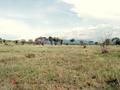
[(58, 41)]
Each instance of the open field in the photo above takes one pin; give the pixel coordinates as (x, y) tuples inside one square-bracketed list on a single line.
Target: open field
[(30, 67)]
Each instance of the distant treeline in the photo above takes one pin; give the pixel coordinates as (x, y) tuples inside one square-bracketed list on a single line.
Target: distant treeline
[(58, 41)]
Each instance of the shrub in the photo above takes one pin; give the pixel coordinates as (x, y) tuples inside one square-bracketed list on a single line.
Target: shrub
[(30, 55)]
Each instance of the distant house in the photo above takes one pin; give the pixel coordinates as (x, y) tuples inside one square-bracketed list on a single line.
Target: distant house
[(41, 40)]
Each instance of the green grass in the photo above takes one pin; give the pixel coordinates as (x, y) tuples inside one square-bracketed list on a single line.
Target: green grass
[(31, 67)]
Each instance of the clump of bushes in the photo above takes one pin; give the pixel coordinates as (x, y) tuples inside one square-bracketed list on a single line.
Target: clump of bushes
[(104, 48), (30, 55), (84, 46)]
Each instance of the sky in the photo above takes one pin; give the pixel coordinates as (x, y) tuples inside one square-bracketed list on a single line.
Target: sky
[(80, 19)]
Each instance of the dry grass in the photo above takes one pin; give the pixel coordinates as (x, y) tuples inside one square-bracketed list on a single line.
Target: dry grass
[(29, 67)]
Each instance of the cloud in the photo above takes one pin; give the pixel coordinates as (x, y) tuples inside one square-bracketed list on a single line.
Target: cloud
[(108, 9), (40, 12), (23, 19), (98, 18), (83, 19), (17, 28), (98, 32)]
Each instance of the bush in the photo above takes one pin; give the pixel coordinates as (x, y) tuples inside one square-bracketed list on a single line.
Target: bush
[(30, 55)]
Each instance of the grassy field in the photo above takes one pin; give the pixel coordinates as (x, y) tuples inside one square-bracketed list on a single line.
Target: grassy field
[(30, 67)]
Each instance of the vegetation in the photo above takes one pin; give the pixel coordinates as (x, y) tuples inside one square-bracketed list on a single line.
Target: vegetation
[(116, 41), (72, 40), (16, 41), (30, 41), (55, 40), (33, 67), (26, 66), (23, 41), (0, 40), (51, 40)]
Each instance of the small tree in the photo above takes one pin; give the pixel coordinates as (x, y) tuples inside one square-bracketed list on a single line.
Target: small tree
[(30, 41), (116, 41), (61, 42), (23, 41), (4, 41), (50, 40), (0, 40), (105, 41), (96, 43), (91, 42), (81, 42), (56, 40), (72, 40), (16, 42)]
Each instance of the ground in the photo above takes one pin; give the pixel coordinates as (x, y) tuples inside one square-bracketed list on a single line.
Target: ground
[(31, 67)]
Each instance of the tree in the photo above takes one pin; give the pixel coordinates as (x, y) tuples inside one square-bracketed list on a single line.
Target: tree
[(56, 40), (23, 41), (91, 42), (50, 40), (96, 43), (41, 40), (116, 41), (72, 40), (61, 41), (30, 41), (115, 38), (0, 40), (4, 41), (81, 42), (107, 41), (16, 42)]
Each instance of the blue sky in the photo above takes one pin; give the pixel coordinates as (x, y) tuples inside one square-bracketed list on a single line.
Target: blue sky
[(81, 19)]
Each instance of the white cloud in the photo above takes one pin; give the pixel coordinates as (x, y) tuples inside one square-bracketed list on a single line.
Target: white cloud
[(98, 32), (96, 8), (24, 31), (19, 29), (97, 18)]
